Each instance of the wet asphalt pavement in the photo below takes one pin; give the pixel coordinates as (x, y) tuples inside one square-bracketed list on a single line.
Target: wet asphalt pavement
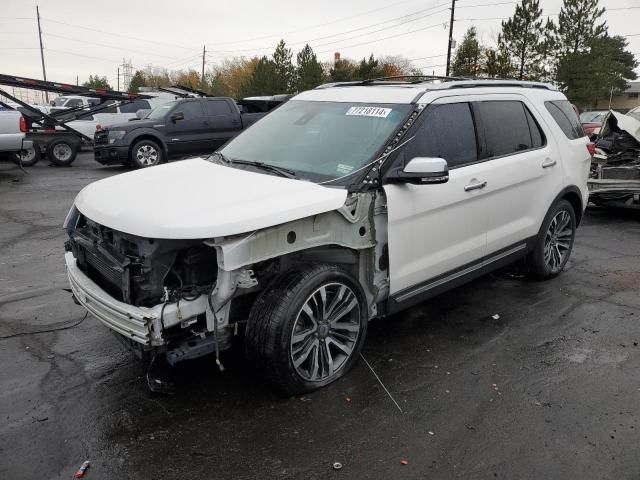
[(549, 388)]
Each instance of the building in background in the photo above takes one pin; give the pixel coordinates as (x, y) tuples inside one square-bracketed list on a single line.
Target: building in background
[(623, 102)]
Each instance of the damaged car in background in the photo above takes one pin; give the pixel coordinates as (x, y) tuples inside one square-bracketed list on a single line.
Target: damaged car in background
[(615, 170)]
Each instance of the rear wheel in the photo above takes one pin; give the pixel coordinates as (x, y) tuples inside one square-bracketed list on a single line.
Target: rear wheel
[(308, 329), (554, 242), (62, 152), (28, 157), (146, 153)]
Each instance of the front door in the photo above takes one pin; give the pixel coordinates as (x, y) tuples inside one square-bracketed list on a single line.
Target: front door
[(188, 135), (435, 230)]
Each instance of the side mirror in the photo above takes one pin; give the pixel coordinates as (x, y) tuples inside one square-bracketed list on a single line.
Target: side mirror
[(140, 114), (177, 116), (421, 171)]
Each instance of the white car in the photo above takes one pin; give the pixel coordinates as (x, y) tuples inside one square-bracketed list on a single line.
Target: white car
[(117, 113), (349, 202)]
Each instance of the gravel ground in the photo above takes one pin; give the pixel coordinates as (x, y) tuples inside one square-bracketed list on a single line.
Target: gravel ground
[(547, 388)]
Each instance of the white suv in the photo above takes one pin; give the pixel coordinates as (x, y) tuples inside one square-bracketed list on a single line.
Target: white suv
[(349, 202)]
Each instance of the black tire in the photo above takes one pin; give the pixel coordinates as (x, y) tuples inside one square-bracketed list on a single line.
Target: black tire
[(278, 314), (28, 157), (554, 242), (62, 152), (146, 153)]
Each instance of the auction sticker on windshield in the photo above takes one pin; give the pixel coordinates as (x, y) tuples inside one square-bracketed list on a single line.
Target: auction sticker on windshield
[(378, 112)]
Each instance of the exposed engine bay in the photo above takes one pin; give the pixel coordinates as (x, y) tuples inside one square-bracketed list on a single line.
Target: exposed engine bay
[(615, 169)]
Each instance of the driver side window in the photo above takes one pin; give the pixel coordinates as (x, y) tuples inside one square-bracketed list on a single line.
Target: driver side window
[(190, 110), (445, 131)]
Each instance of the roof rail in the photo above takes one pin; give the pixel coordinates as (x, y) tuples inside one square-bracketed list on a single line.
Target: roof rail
[(415, 79)]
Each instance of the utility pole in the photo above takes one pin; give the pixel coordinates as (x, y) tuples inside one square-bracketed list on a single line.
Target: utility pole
[(453, 9), (44, 72), (204, 52), (118, 89)]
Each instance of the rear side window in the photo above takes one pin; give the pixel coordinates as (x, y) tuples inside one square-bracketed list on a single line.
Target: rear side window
[(447, 131), (133, 107), (566, 118), (506, 128), (218, 107)]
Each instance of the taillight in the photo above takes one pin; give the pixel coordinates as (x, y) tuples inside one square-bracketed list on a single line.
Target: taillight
[(23, 124), (592, 148)]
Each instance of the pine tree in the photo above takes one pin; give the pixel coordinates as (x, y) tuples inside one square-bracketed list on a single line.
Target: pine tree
[(522, 36), (285, 72), (498, 63), (577, 25), (368, 69), (309, 71), (468, 60), (263, 81), (343, 71), (605, 68), (137, 81)]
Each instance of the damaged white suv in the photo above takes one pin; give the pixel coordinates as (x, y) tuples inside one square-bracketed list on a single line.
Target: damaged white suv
[(349, 202)]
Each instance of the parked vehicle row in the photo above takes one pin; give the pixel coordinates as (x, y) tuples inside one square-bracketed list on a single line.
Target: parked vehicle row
[(349, 202)]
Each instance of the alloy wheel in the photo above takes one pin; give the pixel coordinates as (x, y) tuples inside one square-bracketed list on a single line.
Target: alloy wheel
[(558, 240), (325, 332), (147, 155)]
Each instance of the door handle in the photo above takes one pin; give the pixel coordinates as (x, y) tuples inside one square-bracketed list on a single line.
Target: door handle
[(474, 185), (548, 162)]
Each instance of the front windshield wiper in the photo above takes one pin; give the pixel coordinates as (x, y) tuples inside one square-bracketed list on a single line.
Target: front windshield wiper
[(283, 172)]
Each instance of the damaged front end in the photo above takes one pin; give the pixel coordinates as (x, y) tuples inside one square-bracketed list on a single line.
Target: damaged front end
[(187, 298), (615, 168)]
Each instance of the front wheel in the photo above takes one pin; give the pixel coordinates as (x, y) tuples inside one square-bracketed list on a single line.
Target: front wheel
[(308, 329), (554, 242), (146, 153)]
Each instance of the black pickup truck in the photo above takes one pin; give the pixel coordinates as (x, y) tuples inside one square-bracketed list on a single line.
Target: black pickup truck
[(180, 128)]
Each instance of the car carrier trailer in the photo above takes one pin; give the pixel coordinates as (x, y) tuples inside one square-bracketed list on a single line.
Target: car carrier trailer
[(49, 133)]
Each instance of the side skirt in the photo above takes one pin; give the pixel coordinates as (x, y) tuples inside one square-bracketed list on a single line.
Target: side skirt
[(423, 291)]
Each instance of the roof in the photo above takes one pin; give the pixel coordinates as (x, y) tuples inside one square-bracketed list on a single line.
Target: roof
[(634, 87), (384, 91)]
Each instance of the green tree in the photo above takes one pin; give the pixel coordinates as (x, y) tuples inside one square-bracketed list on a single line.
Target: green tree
[(264, 80), (97, 82), (578, 25), (498, 63), (285, 72), (368, 69), (137, 81), (468, 58), (342, 71), (522, 37), (605, 68), (309, 71)]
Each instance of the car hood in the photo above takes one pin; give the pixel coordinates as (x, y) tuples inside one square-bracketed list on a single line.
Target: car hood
[(198, 199)]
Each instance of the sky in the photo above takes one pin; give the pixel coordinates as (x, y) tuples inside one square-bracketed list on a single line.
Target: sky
[(84, 38)]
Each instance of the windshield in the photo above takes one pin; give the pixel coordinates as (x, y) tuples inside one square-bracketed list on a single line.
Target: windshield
[(318, 140), (161, 111), (59, 102), (587, 117)]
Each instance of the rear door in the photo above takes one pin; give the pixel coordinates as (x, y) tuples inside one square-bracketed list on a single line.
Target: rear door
[(191, 134), (436, 231), (224, 121), (524, 173)]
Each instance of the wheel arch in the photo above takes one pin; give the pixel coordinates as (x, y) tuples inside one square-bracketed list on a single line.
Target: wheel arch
[(573, 195)]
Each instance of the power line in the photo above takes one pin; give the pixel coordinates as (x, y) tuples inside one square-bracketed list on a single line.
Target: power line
[(304, 29)]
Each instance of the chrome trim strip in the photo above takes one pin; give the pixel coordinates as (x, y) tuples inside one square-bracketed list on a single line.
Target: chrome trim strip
[(429, 286)]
